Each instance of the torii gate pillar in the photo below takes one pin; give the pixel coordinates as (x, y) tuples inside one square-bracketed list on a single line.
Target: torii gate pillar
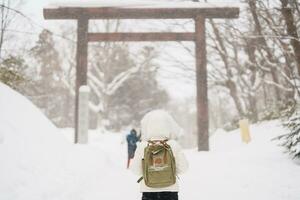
[(201, 78), (81, 64)]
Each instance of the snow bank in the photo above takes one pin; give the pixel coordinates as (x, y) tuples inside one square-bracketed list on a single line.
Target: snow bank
[(37, 162), (30, 150), (234, 170), (21, 121)]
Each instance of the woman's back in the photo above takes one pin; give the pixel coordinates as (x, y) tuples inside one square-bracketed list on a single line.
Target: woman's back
[(159, 125)]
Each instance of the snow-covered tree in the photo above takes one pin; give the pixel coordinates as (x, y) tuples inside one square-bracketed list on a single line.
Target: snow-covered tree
[(139, 94), (13, 66), (12, 72), (291, 140), (251, 59), (119, 78), (50, 92)]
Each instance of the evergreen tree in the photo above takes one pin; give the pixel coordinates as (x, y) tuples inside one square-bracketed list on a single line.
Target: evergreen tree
[(12, 72), (291, 141), (51, 95), (47, 58)]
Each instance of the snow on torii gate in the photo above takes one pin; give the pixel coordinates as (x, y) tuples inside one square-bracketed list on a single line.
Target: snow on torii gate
[(83, 12)]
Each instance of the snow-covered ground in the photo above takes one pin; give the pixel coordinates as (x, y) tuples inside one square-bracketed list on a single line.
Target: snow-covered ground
[(38, 162)]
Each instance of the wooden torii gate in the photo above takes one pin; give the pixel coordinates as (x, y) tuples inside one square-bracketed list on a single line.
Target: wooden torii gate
[(173, 10)]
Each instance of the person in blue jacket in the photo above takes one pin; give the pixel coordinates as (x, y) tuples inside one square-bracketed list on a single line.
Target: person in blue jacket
[(132, 138)]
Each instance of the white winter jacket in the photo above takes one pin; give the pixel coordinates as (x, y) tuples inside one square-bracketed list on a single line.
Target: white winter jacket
[(159, 125)]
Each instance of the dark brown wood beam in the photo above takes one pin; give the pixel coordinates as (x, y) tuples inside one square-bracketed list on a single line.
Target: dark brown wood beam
[(201, 81), (139, 13), (140, 37)]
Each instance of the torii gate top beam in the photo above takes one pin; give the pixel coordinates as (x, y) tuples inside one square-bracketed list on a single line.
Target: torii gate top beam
[(154, 10)]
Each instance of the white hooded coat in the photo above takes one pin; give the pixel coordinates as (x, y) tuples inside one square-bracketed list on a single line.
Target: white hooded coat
[(159, 125)]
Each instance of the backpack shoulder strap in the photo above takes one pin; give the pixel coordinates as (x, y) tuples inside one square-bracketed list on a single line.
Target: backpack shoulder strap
[(157, 141), (140, 179)]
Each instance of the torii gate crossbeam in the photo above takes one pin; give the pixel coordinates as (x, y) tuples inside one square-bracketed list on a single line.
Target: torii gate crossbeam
[(184, 10)]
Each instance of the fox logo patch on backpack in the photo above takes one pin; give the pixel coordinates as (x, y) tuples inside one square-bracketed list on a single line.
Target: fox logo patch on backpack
[(159, 168)]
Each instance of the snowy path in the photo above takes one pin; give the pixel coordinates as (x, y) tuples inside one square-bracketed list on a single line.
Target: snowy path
[(238, 171), (231, 170)]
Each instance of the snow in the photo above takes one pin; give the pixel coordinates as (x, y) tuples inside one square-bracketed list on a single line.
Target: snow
[(84, 89), (38, 162), (19, 117), (233, 170), (141, 4)]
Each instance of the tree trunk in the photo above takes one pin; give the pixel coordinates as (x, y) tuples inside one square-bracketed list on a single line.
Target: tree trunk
[(253, 106), (234, 94), (291, 31), (262, 40), (99, 120), (250, 49), (229, 84)]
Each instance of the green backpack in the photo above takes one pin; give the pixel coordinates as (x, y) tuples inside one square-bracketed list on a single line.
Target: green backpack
[(159, 168)]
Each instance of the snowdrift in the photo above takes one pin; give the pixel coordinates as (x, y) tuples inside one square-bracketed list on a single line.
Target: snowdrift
[(22, 122), (31, 148), (37, 162)]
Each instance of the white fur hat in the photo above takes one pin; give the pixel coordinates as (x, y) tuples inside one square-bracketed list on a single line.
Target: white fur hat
[(158, 125)]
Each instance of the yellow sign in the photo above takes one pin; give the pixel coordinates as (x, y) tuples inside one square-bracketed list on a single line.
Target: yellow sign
[(245, 133)]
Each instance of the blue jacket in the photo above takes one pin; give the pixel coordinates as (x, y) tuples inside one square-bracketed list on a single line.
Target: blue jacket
[(132, 139)]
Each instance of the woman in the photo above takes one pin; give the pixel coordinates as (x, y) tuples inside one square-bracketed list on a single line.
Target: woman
[(158, 125)]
